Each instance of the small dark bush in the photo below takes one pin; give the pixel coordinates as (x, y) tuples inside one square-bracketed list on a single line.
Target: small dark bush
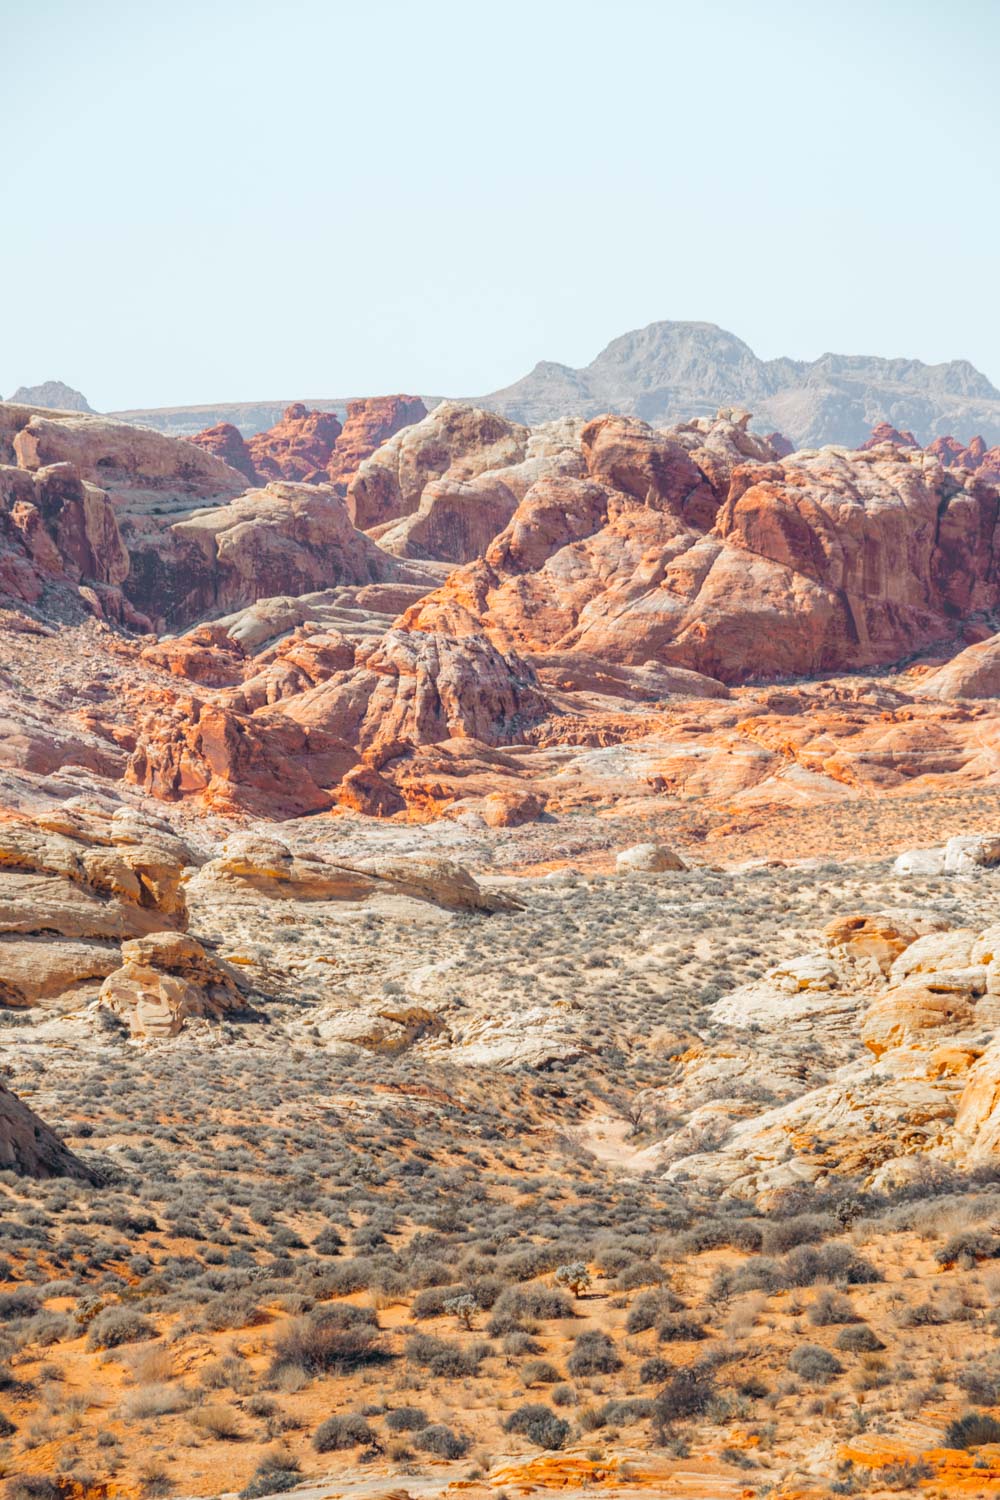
[(686, 1394), (972, 1430), (34, 1487), (329, 1241), (406, 1419), (858, 1338), (119, 1325), (680, 1328), (17, 1304), (445, 1359), (593, 1353), (324, 1342), (648, 1308), (655, 1370), (345, 1430), (539, 1424), (442, 1441), (814, 1363)]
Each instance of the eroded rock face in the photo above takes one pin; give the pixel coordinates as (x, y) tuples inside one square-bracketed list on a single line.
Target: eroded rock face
[(298, 448), (648, 859), (816, 562), (369, 424), (71, 888), (266, 865), (29, 1147), (418, 688), (459, 441), (140, 469), (923, 1005), (283, 539), (227, 443), (167, 979)]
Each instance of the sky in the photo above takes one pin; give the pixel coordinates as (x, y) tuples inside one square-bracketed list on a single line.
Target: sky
[(233, 200)]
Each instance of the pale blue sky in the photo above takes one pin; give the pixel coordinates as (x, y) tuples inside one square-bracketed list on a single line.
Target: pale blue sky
[(232, 199)]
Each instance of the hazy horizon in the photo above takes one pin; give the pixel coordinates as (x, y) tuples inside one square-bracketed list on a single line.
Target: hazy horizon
[(227, 202)]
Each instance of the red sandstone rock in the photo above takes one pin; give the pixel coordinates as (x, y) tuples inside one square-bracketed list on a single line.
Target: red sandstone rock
[(460, 441), (416, 689), (297, 448), (977, 458), (884, 432), (226, 442), (815, 563), (369, 424)]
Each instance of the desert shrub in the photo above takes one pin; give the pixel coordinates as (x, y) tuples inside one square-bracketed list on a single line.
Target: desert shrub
[(968, 1247), (34, 1487), (687, 1393), (345, 1430), (236, 1309), (326, 1342), (218, 1421), (430, 1302), (119, 1325), (639, 1273), (622, 1412), (17, 1304), (831, 1308), (7, 1427), (539, 1424), (446, 1359), (654, 1371), (593, 1353), (648, 1308), (329, 1241), (540, 1372), (442, 1441), (275, 1474), (972, 1430), (406, 1419), (781, 1235), (516, 1304), (563, 1395), (858, 1338), (981, 1384), (814, 1363), (678, 1328)]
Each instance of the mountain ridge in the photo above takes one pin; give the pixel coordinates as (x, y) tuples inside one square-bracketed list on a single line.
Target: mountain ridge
[(669, 370)]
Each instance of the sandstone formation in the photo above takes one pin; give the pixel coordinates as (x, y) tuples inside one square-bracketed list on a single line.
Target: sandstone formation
[(72, 886), (141, 470), (267, 866), (226, 442), (167, 979), (297, 448), (29, 1147), (647, 859), (368, 424), (834, 559), (458, 441)]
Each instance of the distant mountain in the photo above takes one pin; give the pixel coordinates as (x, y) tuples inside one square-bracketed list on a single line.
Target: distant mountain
[(669, 371), (52, 393)]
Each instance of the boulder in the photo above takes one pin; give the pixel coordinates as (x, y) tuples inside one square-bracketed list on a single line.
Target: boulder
[(167, 979), (647, 859)]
